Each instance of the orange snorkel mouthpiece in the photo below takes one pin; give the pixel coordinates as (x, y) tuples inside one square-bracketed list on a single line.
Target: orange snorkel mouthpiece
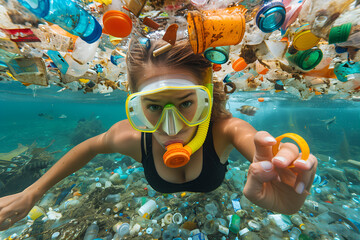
[(177, 155)]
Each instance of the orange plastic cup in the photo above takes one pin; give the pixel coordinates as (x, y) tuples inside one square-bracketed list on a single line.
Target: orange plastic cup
[(215, 28)]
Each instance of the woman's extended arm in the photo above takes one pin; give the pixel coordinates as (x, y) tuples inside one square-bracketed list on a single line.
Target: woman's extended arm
[(119, 138)]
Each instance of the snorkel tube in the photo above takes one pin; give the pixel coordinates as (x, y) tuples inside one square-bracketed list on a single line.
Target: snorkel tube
[(176, 154)]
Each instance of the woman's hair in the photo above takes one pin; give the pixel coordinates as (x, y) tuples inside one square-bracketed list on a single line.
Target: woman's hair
[(180, 56)]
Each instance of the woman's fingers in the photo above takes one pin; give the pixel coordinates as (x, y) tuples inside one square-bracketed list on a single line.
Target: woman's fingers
[(287, 154), (258, 174), (306, 174)]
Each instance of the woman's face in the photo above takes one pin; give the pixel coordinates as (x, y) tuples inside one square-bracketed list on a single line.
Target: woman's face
[(185, 101)]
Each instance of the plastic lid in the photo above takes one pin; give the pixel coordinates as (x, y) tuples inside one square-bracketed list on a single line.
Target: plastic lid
[(117, 23), (271, 16), (239, 64), (96, 33), (305, 40), (340, 33), (217, 55), (308, 59)]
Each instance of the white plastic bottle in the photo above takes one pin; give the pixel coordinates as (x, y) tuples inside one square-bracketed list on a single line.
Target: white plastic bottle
[(82, 54)]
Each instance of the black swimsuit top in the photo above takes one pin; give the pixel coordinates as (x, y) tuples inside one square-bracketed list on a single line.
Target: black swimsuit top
[(210, 178)]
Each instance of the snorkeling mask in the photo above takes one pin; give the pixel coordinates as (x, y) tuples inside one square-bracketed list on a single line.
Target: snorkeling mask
[(190, 105)]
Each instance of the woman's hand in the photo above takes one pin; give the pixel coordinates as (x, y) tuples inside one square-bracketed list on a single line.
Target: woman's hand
[(14, 208), (270, 184)]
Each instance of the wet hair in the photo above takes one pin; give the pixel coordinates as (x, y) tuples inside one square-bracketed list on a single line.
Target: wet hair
[(181, 56)]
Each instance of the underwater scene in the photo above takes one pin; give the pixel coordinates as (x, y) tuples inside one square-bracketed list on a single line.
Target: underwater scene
[(70, 70), (39, 127)]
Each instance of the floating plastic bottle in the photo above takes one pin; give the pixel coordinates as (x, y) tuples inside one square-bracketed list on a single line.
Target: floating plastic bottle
[(214, 28), (68, 15), (271, 16), (297, 221), (92, 231), (347, 70), (305, 60), (323, 13), (294, 233), (114, 198), (82, 54), (234, 223)]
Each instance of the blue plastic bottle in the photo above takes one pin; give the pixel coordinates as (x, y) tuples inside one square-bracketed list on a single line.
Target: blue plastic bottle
[(68, 15), (271, 16)]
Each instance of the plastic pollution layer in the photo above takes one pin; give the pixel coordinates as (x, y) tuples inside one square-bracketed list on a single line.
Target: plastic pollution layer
[(51, 43)]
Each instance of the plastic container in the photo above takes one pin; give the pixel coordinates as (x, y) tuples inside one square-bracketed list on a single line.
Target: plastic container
[(92, 231), (246, 234), (116, 20), (177, 218), (68, 15), (36, 212), (305, 60), (218, 55), (347, 70), (121, 228), (215, 28), (147, 208), (239, 64), (271, 16)]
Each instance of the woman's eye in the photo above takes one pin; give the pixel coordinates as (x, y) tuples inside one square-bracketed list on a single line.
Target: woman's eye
[(154, 107), (186, 104)]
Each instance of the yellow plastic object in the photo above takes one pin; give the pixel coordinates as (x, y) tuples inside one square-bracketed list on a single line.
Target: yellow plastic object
[(176, 155), (36, 212), (214, 28), (304, 147), (304, 39)]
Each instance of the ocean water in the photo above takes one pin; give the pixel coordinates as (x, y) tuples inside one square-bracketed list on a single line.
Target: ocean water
[(44, 114)]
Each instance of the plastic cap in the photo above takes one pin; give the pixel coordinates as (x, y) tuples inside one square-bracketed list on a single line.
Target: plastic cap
[(271, 16), (117, 23), (217, 55), (305, 40), (176, 156), (96, 33), (340, 33), (308, 59), (239, 64), (216, 67)]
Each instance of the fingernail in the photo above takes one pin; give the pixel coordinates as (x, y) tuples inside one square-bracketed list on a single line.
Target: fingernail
[(300, 188), (280, 159), (301, 161), (270, 139), (267, 166)]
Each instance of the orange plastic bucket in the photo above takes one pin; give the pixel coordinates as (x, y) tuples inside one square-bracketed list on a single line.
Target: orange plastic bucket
[(214, 28)]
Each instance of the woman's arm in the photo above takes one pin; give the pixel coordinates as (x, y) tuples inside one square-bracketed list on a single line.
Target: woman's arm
[(119, 138)]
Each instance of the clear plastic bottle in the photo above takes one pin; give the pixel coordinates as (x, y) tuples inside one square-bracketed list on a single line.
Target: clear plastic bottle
[(68, 15), (92, 231), (246, 234), (82, 54), (294, 233), (322, 14), (297, 221)]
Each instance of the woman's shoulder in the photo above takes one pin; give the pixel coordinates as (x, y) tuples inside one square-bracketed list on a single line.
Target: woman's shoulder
[(124, 139)]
